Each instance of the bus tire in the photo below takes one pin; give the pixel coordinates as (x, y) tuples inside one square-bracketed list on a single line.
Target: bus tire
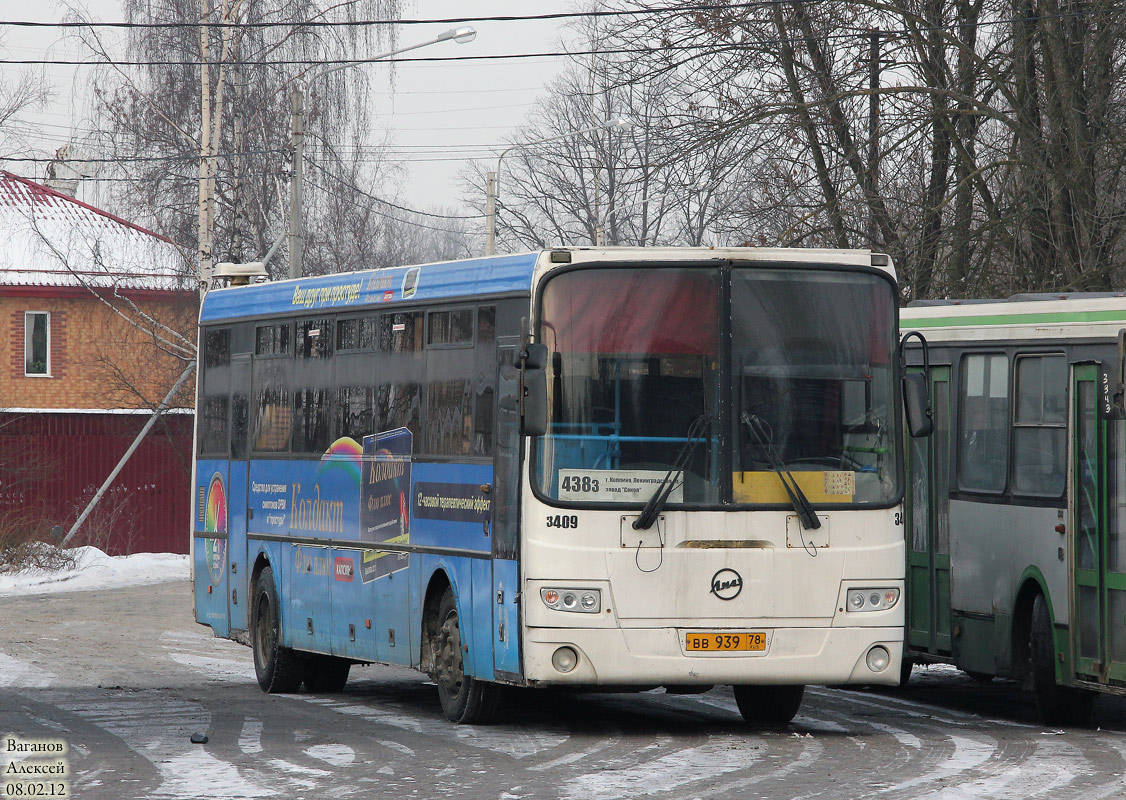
[(906, 667), (279, 669), (1059, 705), (768, 705), (326, 674), (465, 699)]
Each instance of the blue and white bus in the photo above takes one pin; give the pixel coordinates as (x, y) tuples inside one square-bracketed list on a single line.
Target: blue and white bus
[(578, 467)]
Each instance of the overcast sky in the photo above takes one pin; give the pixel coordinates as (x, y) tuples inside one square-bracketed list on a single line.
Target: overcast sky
[(439, 114)]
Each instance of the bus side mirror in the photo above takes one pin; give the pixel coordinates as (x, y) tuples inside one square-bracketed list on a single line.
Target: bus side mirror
[(535, 356), (535, 402), (916, 403)]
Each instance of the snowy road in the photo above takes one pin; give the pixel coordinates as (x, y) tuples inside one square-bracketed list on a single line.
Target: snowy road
[(125, 677)]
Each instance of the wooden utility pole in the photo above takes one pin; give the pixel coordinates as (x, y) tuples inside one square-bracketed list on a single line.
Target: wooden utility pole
[(873, 171)]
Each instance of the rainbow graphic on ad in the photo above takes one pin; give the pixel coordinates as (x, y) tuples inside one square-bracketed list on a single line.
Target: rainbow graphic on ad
[(215, 512), (344, 456), (215, 521)]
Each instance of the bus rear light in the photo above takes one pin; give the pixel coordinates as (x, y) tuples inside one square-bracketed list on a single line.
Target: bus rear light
[(871, 599), (583, 601)]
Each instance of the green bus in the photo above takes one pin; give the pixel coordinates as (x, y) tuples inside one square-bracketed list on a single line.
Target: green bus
[(1016, 539)]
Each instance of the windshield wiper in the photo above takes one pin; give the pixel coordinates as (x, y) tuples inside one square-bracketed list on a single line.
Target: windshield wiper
[(652, 508), (760, 431)]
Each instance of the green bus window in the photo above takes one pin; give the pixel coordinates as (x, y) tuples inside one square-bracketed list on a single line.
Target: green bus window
[(1039, 426), (983, 441)]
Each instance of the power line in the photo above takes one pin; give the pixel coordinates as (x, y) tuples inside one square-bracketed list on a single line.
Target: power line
[(145, 159), (24, 62), (634, 12), (394, 218), (388, 203), (850, 34), (681, 9)]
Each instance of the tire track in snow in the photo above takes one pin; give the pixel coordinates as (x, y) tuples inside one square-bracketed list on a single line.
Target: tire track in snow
[(158, 730), (718, 756)]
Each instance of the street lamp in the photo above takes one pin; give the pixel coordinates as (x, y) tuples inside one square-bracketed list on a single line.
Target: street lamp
[(614, 123), (297, 137)]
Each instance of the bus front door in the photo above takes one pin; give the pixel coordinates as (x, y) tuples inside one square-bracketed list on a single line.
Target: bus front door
[(506, 515), (237, 572), (1098, 519), (928, 531)]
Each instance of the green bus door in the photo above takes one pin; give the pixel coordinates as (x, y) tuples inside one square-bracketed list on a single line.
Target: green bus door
[(928, 533), (1098, 520)]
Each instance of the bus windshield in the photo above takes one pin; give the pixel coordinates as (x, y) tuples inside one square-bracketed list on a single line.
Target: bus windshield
[(653, 371)]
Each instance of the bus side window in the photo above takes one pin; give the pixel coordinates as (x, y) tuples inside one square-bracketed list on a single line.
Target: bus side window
[(311, 381), (398, 396), (398, 405), (1039, 426), (273, 377), (213, 395), (485, 399), (449, 414), (983, 442)]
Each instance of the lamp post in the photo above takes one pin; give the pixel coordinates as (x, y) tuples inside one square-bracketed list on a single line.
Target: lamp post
[(614, 123), (297, 138)]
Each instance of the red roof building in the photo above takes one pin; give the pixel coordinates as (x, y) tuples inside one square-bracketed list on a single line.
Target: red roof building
[(97, 320)]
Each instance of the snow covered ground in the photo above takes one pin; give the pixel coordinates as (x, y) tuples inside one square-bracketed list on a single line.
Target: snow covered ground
[(95, 570)]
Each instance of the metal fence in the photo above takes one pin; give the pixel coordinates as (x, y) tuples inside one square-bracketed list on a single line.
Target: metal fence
[(52, 463)]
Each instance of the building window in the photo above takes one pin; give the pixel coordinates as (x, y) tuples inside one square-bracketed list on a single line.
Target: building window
[(37, 343)]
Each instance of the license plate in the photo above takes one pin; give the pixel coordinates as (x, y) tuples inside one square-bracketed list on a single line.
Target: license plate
[(753, 641)]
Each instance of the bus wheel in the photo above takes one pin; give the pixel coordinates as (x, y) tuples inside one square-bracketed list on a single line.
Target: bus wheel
[(326, 674), (464, 699), (768, 705), (906, 666), (1059, 705), (278, 668)]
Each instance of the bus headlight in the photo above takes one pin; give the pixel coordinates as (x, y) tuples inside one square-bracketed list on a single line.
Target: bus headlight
[(878, 659), (871, 599), (583, 601), (564, 659)]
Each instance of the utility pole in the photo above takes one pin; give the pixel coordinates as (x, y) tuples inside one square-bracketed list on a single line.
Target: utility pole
[(237, 166), (491, 212), (614, 123), (297, 143), (873, 171)]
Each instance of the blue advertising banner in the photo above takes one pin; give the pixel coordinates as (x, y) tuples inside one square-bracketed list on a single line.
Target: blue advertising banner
[(367, 495), (452, 502), (342, 291), (384, 505)]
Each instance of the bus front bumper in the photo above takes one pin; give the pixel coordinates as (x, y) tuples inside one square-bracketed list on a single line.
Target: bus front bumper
[(660, 656)]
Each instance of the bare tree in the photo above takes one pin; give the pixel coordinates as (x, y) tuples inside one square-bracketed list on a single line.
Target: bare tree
[(201, 128), (990, 168), (20, 93), (639, 187)]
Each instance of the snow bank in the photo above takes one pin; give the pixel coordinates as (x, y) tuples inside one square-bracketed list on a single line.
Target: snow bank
[(95, 570)]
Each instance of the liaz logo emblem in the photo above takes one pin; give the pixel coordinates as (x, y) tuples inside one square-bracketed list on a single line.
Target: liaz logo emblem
[(726, 584)]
